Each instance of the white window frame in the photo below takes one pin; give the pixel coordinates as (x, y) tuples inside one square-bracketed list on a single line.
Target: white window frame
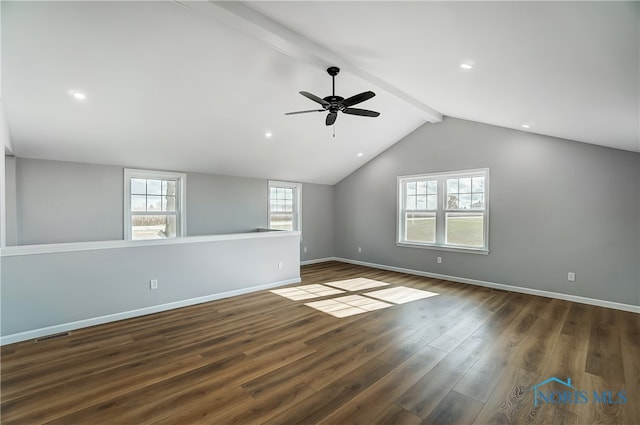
[(181, 197), (441, 211), (297, 202)]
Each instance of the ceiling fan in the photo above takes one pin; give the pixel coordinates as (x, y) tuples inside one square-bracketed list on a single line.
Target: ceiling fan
[(333, 104)]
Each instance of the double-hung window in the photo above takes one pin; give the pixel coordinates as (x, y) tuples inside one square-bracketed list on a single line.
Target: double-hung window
[(285, 205), (154, 204), (444, 210)]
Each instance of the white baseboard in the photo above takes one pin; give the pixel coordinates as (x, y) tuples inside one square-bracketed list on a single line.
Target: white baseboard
[(501, 286), (65, 327), (318, 260)]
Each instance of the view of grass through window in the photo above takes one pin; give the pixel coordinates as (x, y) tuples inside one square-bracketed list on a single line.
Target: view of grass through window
[(421, 227), (465, 229), (462, 229), (281, 222), (153, 226)]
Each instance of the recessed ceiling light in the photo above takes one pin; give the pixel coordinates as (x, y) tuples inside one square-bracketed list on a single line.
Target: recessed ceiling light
[(268, 135), (466, 66), (526, 126), (360, 154), (77, 94)]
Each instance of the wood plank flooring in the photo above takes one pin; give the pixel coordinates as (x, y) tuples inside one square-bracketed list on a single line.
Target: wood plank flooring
[(469, 355)]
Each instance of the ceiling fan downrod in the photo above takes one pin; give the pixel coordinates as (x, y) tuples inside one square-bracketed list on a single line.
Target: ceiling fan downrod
[(333, 71)]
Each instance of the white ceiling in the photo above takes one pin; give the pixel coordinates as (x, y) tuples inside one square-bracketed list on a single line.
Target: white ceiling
[(194, 86)]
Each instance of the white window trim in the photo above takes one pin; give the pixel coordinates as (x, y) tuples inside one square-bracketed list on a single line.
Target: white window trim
[(297, 201), (130, 173), (441, 211)]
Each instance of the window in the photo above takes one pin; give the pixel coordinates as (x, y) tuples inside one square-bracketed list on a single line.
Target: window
[(444, 210), (154, 204), (284, 205)]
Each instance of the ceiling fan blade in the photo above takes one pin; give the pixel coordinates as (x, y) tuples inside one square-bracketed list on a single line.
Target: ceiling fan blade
[(361, 112), (304, 112), (353, 100), (331, 118), (315, 98)]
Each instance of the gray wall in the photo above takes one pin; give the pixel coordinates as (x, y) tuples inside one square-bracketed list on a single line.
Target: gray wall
[(50, 289), (68, 202), (556, 206), (317, 221), (222, 204), (10, 200), (62, 202)]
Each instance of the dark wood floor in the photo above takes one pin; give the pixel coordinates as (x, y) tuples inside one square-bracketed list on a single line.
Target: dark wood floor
[(468, 355)]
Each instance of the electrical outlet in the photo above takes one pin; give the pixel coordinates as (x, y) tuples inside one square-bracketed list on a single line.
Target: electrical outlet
[(153, 284), (359, 249), (280, 265), (439, 260), (304, 249), (571, 277)]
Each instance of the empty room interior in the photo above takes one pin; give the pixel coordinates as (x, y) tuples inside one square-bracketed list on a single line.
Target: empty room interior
[(320, 212)]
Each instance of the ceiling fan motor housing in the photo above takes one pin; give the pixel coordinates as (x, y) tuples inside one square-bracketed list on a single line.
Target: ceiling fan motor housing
[(335, 103), (333, 70)]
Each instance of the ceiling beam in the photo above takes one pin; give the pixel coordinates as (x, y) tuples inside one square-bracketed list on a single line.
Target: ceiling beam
[(284, 40)]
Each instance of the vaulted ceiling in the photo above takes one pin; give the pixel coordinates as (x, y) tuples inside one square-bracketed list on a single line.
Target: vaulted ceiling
[(195, 86)]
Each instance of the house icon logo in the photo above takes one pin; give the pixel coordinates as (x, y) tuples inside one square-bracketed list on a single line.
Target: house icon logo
[(537, 393), (568, 394)]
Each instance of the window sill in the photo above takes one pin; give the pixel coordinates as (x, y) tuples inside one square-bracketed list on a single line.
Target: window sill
[(480, 251)]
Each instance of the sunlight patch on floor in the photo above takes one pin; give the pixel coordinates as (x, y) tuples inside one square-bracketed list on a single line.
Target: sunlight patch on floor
[(306, 292), (357, 284), (400, 294), (348, 306)]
